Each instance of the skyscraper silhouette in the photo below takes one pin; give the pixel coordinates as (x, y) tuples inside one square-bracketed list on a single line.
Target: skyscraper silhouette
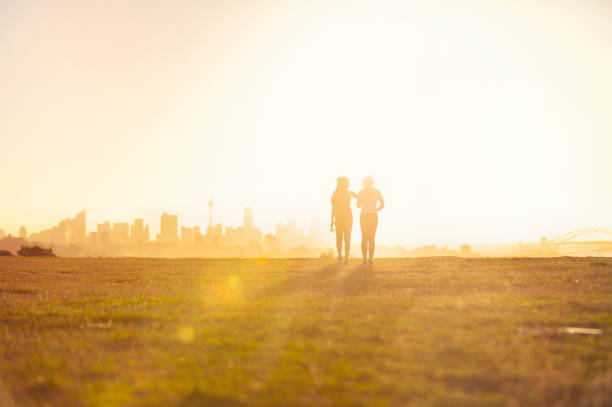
[(120, 234), (169, 228), (78, 227), (139, 233), (103, 233)]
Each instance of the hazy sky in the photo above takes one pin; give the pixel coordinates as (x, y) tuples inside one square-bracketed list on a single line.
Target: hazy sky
[(481, 121)]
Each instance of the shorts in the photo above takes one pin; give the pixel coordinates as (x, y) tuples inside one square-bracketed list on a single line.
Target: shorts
[(368, 223), (344, 222)]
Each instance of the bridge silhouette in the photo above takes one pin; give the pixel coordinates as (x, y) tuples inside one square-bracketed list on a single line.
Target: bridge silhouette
[(565, 244), (577, 233)]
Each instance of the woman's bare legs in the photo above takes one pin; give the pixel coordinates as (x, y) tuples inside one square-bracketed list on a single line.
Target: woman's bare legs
[(347, 244), (364, 248), (369, 224), (339, 237)]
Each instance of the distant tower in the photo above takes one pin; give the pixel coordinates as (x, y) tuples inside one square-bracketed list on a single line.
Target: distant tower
[(23, 232), (248, 217), (210, 206)]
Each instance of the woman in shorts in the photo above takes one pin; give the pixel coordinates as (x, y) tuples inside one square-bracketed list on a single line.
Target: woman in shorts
[(370, 201)]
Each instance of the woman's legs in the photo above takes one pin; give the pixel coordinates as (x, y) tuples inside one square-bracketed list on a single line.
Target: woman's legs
[(344, 226), (371, 242), (364, 236), (347, 238), (339, 235), (364, 248), (369, 223)]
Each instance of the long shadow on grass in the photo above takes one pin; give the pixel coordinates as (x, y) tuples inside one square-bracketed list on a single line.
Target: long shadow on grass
[(307, 281), (359, 281)]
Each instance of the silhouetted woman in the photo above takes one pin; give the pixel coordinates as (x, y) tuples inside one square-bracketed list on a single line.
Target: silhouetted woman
[(342, 217), (368, 200)]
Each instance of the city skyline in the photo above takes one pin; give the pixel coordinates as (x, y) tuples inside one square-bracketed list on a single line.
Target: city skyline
[(71, 238), (169, 226), (73, 231), (154, 228)]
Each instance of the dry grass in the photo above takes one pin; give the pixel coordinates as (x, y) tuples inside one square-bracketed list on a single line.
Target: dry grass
[(436, 331)]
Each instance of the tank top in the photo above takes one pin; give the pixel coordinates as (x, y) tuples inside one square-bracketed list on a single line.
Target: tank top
[(368, 199), (341, 201)]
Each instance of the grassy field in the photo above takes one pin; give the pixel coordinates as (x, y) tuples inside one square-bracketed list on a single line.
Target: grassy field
[(406, 332)]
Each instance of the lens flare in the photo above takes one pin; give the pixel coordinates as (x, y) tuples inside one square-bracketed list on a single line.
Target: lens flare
[(185, 334), (226, 292)]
